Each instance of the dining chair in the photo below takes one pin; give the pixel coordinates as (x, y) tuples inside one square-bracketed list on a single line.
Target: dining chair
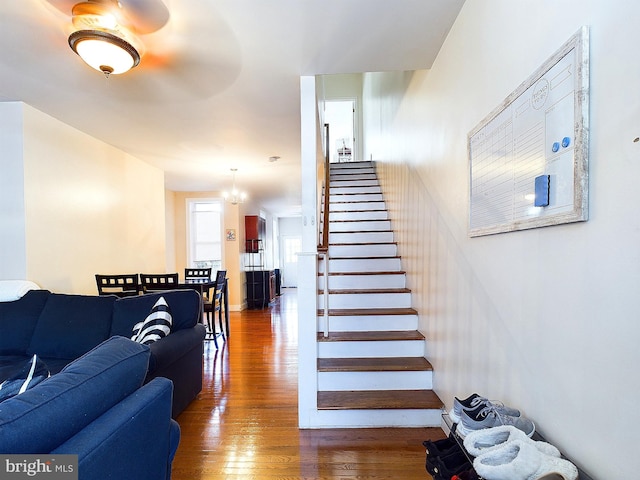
[(154, 282), (197, 274), (123, 285), (217, 301)]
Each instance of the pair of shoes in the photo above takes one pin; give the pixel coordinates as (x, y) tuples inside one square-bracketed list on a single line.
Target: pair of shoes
[(474, 401), (489, 416), (449, 465), (437, 449), (520, 460), (479, 442), (441, 447), (445, 458)]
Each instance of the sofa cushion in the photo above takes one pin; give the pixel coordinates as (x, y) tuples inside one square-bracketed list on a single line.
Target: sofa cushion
[(52, 412), (184, 304), (157, 325), (71, 325), (18, 321)]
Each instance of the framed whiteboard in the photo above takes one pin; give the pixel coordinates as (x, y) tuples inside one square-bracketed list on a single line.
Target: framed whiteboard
[(538, 137)]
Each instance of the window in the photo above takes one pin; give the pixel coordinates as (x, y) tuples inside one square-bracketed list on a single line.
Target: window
[(205, 233)]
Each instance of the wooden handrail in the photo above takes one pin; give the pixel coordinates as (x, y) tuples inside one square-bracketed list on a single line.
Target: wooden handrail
[(324, 244)]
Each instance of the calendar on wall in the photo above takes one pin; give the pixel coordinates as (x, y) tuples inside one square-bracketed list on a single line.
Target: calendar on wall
[(528, 159)]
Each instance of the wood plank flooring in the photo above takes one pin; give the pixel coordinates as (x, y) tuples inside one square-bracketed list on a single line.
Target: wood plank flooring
[(244, 424)]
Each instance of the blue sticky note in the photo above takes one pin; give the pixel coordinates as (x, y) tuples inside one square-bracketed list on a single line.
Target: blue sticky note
[(542, 190)]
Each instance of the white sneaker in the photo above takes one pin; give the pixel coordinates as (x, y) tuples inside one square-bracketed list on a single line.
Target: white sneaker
[(518, 460), (489, 439)]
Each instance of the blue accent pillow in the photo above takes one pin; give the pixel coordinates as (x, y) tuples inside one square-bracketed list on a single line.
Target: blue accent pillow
[(71, 325), (48, 415)]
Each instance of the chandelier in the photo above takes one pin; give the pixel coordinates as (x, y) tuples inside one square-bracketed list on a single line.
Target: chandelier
[(235, 196)]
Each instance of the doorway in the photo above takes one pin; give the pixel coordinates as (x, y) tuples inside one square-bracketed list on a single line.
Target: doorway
[(341, 117), (291, 246)]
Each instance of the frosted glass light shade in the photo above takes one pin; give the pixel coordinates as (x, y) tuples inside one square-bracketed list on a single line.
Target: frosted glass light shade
[(104, 51)]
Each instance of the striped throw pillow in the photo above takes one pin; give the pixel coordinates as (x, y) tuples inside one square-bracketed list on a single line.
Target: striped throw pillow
[(157, 325), (26, 376)]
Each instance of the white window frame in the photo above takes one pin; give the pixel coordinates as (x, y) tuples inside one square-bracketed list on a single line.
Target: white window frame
[(190, 220)]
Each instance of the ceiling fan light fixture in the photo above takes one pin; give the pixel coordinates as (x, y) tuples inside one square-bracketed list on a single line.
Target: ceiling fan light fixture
[(104, 51)]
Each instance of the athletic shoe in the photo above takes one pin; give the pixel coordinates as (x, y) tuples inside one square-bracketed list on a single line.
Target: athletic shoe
[(474, 401), (489, 416)]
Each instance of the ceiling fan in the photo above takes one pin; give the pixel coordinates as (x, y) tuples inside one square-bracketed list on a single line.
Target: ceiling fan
[(105, 32)]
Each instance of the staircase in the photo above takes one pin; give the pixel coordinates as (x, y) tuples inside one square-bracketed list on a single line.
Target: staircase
[(371, 366)]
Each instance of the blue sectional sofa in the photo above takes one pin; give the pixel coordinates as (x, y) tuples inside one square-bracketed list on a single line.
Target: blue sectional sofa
[(98, 408), (59, 328)]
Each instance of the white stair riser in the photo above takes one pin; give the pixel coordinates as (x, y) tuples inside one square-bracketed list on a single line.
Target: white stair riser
[(370, 323), (364, 250), (342, 282), (382, 264), (336, 197), (398, 380), (366, 300), (360, 226), (398, 418), (357, 206), (351, 168), (360, 215), (349, 176), (345, 190), (360, 237), (352, 164), (353, 183), (372, 349)]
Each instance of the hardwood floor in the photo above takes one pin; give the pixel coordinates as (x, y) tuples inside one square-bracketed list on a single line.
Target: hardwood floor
[(244, 424)]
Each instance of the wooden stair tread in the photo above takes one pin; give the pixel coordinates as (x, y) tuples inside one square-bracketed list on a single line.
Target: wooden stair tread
[(366, 291), (368, 336), (384, 364), (337, 274), (341, 312), (359, 211), (379, 399), (341, 244), (363, 258), (363, 231)]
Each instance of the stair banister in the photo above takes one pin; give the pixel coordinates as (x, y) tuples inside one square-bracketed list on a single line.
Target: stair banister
[(323, 248)]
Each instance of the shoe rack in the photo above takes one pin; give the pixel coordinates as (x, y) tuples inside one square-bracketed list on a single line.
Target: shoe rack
[(536, 436)]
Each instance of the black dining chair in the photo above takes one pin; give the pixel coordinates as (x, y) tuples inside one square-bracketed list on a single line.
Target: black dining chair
[(156, 282), (124, 285), (197, 274), (204, 274), (217, 301)]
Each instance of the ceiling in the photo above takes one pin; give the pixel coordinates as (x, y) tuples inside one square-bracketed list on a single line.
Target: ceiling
[(218, 85)]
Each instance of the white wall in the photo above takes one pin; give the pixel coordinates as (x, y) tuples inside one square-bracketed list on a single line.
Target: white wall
[(88, 207), (547, 319), (13, 254)]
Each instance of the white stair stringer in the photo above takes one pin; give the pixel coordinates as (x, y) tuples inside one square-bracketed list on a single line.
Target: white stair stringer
[(371, 367)]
